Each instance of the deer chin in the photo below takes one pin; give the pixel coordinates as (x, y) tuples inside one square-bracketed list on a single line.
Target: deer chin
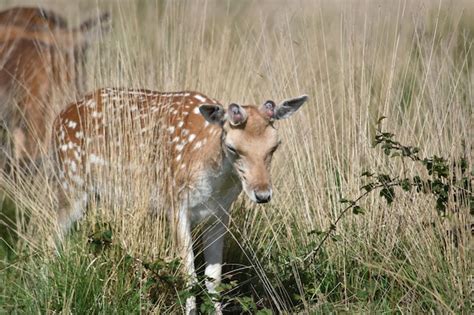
[(250, 194)]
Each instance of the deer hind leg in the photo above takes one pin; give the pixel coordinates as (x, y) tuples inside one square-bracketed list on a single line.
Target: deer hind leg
[(71, 206), (185, 244)]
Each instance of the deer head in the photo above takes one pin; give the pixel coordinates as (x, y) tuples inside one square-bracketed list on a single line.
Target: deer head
[(249, 140)]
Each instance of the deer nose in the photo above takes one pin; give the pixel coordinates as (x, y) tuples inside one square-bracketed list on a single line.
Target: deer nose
[(263, 196)]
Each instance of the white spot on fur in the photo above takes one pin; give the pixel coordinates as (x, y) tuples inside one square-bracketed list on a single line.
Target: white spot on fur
[(94, 159), (77, 155), (196, 110), (180, 124), (77, 179), (200, 98), (73, 166), (191, 137), (198, 145), (178, 158), (72, 124), (171, 129), (91, 103), (79, 134)]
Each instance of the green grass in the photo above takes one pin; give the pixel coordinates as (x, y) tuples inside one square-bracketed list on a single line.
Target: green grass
[(89, 276), (97, 276)]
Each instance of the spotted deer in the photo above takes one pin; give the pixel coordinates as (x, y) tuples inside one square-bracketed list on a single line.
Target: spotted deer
[(215, 153), (40, 56)]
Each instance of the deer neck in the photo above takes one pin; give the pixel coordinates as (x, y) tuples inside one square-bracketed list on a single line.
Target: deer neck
[(224, 176)]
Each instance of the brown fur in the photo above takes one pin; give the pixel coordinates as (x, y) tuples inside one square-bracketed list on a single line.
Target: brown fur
[(39, 56), (193, 145)]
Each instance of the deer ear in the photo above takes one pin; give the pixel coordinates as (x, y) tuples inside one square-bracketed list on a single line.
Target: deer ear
[(237, 114), (268, 109), (214, 114), (93, 28), (289, 107)]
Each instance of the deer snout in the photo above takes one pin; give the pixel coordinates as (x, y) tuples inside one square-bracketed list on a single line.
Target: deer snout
[(263, 196)]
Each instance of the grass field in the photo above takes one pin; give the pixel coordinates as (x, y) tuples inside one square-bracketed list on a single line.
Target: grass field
[(410, 61)]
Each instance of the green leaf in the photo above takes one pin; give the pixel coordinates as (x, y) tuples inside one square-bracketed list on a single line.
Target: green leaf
[(207, 306), (247, 303), (367, 174), (388, 193), (183, 295), (406, 151), (405, 184), (384, 178), (368, 187), (441, 206), (388, 135), (316, 232), (344, 200), (358, 210)]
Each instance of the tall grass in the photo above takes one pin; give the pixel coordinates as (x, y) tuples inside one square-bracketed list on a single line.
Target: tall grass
[(411, 61)]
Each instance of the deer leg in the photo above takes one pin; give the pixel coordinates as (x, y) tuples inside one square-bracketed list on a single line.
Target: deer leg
[(213, 242), (71, 206), (186, 247)]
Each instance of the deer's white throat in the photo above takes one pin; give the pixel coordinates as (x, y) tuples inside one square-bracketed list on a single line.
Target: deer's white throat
[(203, 202)]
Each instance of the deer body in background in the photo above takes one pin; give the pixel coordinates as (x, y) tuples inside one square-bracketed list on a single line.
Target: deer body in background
[(214, 154), (40, 57)]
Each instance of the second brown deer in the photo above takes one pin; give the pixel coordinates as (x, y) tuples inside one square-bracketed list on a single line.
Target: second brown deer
[(40, 59)]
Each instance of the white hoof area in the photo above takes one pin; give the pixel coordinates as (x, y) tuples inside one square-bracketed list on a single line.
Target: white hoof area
[(191, 306)]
